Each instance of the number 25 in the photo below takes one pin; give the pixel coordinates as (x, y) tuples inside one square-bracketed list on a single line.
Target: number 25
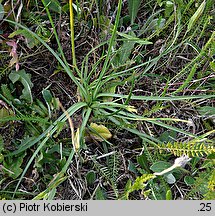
[(205, 206)]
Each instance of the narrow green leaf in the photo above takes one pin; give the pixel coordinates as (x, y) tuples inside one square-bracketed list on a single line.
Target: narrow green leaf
[(134, 39), (51, 130), (157, 98), (109, 52), (196, 16), (187, 81), (63, 64), (206, 110), (1, 11), (133, 7), (51, 194)]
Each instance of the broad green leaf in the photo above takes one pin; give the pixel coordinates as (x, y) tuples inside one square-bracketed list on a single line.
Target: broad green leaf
[(125, 51), (100, 132), (25, 79), (170, 178), (169, 7), (189, 180), (111, 88), (131, 167), (30, 40), (48, 99), (90, 177), (196, 16), (47, 96), (160, 166), (169, 195), (53, 5), (168, 136), (148, 22), (1, 11), (13, 167), (143, 161), (100, 194), (4, 113), (133, 7)]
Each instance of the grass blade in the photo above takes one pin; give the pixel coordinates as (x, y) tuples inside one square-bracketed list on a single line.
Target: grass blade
[(156, 98), (196, 16), (72, 33), (107, 59), (68, 71), (48, 133), (133, 7)]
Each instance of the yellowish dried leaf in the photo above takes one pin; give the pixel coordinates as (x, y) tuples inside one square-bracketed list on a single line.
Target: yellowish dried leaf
[(131, 109), (101, 132), (77, 140)]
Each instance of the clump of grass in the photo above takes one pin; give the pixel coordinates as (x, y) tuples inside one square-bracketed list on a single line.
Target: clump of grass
[(106, 96)]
